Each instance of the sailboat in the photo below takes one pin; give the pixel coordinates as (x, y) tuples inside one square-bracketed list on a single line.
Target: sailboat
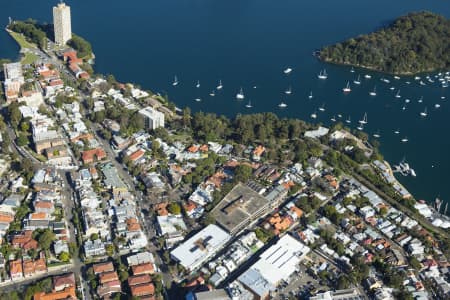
[(198, 99), (404, 140), (420, 100), (249, 104), (347, 89), (282, 105), (360, 127), (322, 108), (397, 131), (374, 92), (364, 119), (398, 94), (212, 94), (367, 76), (396, 78), (424, 113), (314, 115), (240, 95), (198, 84), (310, 95), (323, 75), (407, 100), (352, 70), (377, 135), (437, 105), (333, 119), (220, 86), (392, 88), (287, 70), (348, 121), (288, 91), (175, 81), (357, 81)]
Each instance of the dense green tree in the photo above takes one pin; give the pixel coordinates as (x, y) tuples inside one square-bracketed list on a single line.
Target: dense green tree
[(414, 43), (83, 47)]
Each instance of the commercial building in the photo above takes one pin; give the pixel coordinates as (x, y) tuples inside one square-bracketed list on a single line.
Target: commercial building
[(197, 250), (349, 294), (152, 118), (276, 264), (62, 23), (239, 208)]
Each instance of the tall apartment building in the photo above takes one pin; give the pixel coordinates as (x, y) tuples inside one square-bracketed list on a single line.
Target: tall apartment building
[(62, 23), (13, 80), (152, 118)]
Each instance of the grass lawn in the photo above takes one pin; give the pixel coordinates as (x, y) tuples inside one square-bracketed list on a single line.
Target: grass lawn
[(29, 58), (20, 39)]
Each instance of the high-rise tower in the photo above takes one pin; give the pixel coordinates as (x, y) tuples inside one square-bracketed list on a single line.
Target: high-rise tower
[(62, 23)]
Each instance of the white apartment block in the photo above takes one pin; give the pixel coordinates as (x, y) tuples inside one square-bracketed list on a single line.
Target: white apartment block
[(62, 23), (152, 118)]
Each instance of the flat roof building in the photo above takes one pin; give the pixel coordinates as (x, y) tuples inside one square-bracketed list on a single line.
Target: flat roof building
[(239, 208), (349, 294), (152, 118), (62, 23), (277, 263), (197, 250)]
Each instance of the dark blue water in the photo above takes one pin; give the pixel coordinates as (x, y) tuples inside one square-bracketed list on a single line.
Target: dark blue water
[(249, 43)]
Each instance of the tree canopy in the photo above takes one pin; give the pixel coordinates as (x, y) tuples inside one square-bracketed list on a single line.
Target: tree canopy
[(414, 43), (83, 47)]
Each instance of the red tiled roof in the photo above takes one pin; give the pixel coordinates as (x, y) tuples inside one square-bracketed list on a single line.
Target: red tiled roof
[(143, 269), (143, 289), (139, 279), (103, 267)]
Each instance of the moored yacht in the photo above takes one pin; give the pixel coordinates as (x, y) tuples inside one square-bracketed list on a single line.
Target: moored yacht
[(398, 94), (282, 105), (374, 92), (220, 86), (240, 95), (323, 75), (288, 91), (287, 70), (249, 104), (310, 95), (347, 89), (357, 81), (175, 81), (198, 84)]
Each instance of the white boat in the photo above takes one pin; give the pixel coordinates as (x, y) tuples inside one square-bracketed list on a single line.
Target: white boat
[(404, 140), (392, 88), (249, 104), (357, 81), (282, 105), (212, 94), (322, 108), (422, 83), (364, 119), (352, 70), (417, 78), (374, 92), (347, 89), (377, 135), (398, 94), (404, 108), (287, 70), (385, 80), (240, 95), (310, 95), (198, 99), (408, 82), (339, 116), (198, 84), (442, 97), (437, 105), (397, 131), (407, 100), (175, 81), (360, 127), (424, 113), (323, 75), (220, 86), (314, 115), (288, 91), (333, 119), (348, 121), (396, 77), (367, 76), (420, 99)]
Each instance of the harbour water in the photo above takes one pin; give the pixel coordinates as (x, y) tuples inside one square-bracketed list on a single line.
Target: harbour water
[(248, 44)]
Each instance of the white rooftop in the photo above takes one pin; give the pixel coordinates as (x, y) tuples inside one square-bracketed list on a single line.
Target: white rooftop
[(199, 248)]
